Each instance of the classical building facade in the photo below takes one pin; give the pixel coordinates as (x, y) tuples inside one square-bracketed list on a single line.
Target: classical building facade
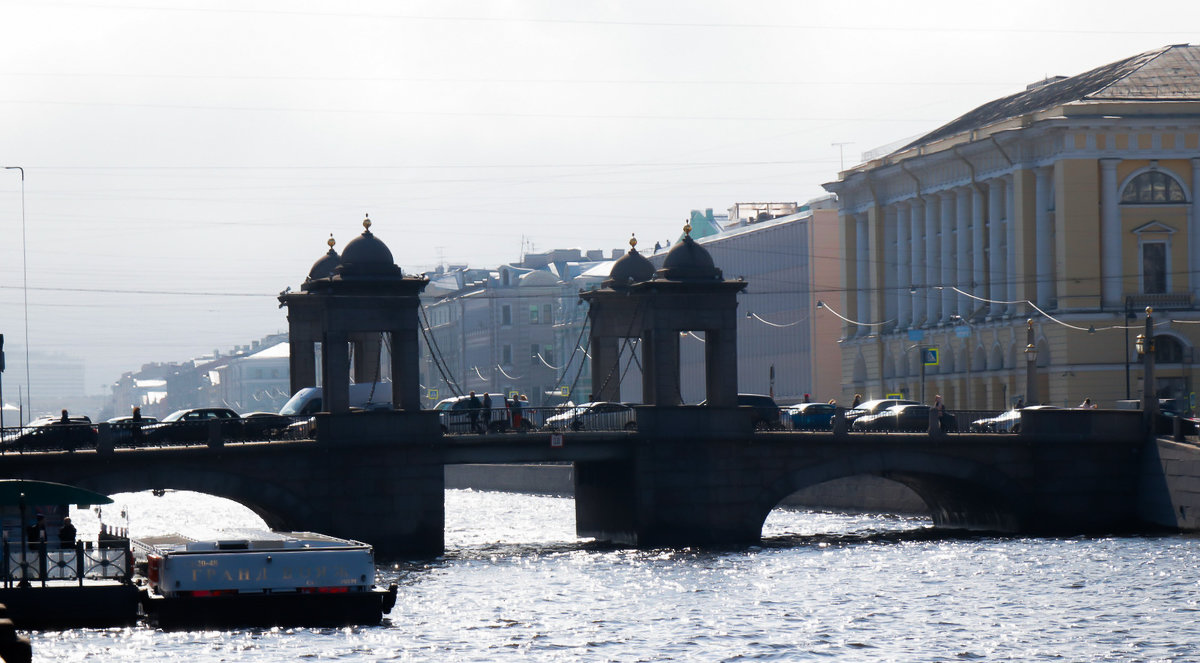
[(1071, 204)]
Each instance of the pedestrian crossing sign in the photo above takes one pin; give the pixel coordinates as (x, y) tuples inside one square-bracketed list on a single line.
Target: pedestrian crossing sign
[(930, 356), (431, 394), (564, 391)]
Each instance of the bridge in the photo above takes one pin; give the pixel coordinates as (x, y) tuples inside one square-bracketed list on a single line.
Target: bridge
[(688, 476)]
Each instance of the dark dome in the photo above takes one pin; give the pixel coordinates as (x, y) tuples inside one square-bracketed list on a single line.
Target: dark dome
[(323, 268), (366, 255), (632, 267), (688, 261)]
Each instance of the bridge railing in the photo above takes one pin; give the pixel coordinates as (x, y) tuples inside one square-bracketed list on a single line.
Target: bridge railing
[(42, 562), (48, 437), (611, 417)]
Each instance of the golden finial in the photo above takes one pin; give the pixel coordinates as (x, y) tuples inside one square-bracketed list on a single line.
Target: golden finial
[(687, 228), (331, 241), (632, 240), (1149, 310), (367, 222)]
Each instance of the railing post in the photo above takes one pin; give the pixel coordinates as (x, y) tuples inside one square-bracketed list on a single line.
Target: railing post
[(79, 561), (215, 441)]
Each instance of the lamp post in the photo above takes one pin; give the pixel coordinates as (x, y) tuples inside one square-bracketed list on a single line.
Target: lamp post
[(1145, 350), (1031, 353)]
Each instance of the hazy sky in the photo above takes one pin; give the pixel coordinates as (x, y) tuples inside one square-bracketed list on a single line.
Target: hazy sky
[(186, 161)]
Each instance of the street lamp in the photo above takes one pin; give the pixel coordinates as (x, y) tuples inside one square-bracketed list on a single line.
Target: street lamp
[(1031, 353), (1145, 350)]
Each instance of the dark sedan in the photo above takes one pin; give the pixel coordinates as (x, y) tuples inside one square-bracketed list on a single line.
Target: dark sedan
[(193, 426), (52, 434), (911, 418)]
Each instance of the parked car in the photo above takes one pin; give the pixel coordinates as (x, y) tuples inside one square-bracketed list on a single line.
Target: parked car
[(908, 417), (1007, 422), (123, 429), (264, 425), (766, 410), (873, 407), (599, 415), (811, 416), (192, 425), (52, 434)]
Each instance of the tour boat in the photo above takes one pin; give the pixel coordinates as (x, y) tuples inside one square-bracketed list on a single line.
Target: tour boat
[(280, 579)]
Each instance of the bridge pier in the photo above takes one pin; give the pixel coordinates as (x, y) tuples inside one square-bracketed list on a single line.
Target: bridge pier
[(395, 501), (687, 483)]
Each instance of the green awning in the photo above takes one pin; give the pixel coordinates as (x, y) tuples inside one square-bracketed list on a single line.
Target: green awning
[(46, 492)]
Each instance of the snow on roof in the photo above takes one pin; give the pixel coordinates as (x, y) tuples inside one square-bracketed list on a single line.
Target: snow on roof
[(277, 351)]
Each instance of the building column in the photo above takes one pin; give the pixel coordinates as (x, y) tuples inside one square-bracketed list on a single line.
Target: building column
[(949, 264), (916, 223), (933, 261), (406, 367), (1045, 241), (996, 258), (903, 266), (889, 267), (1194, 233), (978, 246), (1110, 235), (862, 263), (963, 278), (1010, 212)]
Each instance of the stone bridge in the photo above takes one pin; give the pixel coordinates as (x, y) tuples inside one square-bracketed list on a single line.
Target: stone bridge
[(690, 476)]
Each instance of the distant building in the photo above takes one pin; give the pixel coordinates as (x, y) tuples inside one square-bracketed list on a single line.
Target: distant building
[(1072, 203), (511, 330)]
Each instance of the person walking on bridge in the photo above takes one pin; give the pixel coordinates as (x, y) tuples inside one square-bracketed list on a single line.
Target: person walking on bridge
[(473, 406), (487, 411)]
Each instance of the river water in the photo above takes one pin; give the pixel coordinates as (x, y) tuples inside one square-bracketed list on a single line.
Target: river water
[(516, 584)]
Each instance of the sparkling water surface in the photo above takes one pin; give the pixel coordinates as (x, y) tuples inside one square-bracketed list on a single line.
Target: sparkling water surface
[(516, 583)]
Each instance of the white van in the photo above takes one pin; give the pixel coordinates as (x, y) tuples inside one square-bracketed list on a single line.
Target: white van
[(364, 395)]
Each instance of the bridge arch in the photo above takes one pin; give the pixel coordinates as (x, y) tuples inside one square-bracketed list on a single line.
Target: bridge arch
[(279, 506), (959, 493)]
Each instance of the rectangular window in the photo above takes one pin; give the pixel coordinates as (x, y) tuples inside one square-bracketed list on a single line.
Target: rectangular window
[(534, 351), (547, 314), (506, 315), (533, 314), (1154, 268), (506, 355), (548, 354)]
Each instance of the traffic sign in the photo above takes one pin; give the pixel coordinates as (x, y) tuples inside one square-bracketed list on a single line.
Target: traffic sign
[(930, 356), (432, 394)]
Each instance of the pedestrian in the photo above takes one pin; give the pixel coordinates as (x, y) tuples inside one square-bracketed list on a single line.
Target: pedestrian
[(66, 534), (487, 410), (517, 417), (36, 533), (1087, 404), (939, 408), (857, 401), (65, 418), (807, 399), (1020, 402), (473, 406), (136, 424)]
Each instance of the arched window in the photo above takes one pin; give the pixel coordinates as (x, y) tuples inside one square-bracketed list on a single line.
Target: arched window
[(1153, 187), (1167, 350)]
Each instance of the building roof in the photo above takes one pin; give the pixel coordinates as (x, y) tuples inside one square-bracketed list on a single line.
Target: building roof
[(1171, 73)]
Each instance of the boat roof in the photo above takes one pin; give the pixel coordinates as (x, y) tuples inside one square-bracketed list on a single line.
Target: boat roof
[(249, 540)]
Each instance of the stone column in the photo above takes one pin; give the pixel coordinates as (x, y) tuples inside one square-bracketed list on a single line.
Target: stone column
[(406, 370), (1011, 231), (916, 238), (660, 385), (962, 249), (978, 247), (1194, 233), (949, 264), (335, 383), (1045, 240), (933, 261), (889, 266), (606, 368), (1110, 235), (302, 361), (862, 263), (903, 266), (996, 255)]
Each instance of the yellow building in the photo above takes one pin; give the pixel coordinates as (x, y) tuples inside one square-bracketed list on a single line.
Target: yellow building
[(1072, 203)]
